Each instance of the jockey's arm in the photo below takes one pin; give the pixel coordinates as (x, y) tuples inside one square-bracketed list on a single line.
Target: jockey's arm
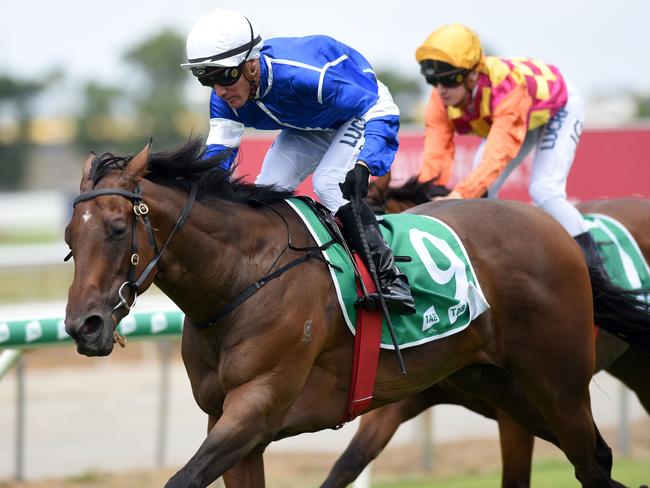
[(506, 136), (439, 148), (225, 132), (380, 144), (352, 95)]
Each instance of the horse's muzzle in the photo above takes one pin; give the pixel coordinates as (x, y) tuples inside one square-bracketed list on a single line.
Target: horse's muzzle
[(93, 334)]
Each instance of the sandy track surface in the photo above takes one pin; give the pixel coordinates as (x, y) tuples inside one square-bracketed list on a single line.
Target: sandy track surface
[(101, 415)]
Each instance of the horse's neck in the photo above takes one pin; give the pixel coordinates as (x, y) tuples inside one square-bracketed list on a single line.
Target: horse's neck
[(221, 249)]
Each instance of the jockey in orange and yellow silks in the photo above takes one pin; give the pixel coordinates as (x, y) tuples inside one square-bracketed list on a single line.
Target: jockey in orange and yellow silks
[(517, 106), (511, 97)]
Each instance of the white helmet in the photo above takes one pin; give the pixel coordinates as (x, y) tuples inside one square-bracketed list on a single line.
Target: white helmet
[(222, 38)]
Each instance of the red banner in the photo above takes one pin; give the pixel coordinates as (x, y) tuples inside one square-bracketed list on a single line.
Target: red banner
[(609, 163)]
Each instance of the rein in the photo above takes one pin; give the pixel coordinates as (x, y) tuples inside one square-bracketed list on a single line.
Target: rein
[(140, 209), (250, 290)]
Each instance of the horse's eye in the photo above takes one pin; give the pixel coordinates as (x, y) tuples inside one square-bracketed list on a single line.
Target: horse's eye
[(118, 230)]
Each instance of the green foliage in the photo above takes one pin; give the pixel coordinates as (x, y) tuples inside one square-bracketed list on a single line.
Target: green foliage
[(17, 95), (643, 106), (121, 121), (160, 102), (96, 120), (159, 57), (406, 90), (547, 473)]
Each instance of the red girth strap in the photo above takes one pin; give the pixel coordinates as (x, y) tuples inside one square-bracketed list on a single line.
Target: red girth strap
[(366, 352)]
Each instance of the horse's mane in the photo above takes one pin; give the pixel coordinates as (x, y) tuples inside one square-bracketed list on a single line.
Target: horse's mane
[(182, 165), (416, 191)]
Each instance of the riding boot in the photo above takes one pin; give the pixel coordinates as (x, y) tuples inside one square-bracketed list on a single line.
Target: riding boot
[(393, 283), (592, 253)]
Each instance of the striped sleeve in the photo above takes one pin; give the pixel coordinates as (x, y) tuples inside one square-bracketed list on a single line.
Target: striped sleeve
[(225, 131)]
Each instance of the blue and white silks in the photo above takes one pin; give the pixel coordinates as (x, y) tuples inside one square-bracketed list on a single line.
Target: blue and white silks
[(312, 83)]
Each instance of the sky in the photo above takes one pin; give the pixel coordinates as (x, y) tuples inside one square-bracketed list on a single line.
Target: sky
[(600, 45)]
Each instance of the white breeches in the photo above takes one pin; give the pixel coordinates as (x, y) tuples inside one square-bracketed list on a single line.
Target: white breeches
[(555, 146), (328, 155)]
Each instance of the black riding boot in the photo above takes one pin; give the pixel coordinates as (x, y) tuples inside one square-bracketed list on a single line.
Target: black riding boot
[(394, 284), (592, 253)]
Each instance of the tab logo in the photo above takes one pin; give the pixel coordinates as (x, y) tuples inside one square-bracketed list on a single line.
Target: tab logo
[(158, 323), (33, 331), (4, 333), (456, 311), (128, 325), (61, 334), (430, 318)]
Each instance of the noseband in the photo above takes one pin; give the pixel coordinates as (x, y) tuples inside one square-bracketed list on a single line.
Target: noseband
[(140, 209)]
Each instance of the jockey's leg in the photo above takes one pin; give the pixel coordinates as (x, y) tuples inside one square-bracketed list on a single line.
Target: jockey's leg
[(394, 284), (551, 166), (340, 157), (293, 156)]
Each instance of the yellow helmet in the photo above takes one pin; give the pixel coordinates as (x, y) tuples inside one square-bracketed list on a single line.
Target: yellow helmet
[(453, 44)]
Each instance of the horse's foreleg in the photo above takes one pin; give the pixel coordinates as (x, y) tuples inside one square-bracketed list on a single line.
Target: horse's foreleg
[(234, 442), (247, 472), (516, 452)]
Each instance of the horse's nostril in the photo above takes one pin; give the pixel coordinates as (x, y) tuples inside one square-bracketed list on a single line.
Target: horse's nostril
[(90, 326)]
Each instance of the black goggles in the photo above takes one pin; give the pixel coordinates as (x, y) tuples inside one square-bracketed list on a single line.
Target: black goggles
[(224, 76), (448, 79)]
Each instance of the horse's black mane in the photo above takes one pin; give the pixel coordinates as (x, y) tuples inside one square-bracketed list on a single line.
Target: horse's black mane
[(416, 191), (183, 165)]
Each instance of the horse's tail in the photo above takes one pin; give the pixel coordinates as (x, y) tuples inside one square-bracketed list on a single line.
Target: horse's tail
[(620, 311)]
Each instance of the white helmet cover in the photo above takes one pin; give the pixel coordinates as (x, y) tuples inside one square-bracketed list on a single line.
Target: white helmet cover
[(222, 38)]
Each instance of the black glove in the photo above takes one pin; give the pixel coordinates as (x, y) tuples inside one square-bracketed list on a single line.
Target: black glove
[(356, 182)]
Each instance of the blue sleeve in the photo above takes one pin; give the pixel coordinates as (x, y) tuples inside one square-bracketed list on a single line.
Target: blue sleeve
[(352, 93), (380, 144), (217, 150), (225, 133)]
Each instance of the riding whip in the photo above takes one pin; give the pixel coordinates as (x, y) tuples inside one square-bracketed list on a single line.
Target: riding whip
[(373, 272)]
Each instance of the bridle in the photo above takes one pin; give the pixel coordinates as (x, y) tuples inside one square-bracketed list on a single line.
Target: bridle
[(141, 211)]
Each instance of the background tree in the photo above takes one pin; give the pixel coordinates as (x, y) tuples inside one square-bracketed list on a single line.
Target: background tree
[(18, 97), (160, 102), (406, 92), (642, 106), (96, 122)]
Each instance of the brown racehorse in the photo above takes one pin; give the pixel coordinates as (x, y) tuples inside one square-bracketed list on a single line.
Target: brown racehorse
[(613, 355), (203, 238)]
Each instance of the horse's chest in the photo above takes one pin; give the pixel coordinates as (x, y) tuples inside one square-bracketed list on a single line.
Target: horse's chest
[(209, 393)]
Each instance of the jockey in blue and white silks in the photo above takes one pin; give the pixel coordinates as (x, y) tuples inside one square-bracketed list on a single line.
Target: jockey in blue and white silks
[(311, 84), (337, 122)]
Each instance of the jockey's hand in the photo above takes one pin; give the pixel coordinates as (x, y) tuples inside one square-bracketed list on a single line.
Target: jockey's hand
[(356, 182), (453, 195)]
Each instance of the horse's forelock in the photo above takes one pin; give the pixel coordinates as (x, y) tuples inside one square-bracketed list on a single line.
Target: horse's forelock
[(104, 164)]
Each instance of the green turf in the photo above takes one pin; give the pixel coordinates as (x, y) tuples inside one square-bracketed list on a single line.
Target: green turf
[(30, 237), (546, 474)]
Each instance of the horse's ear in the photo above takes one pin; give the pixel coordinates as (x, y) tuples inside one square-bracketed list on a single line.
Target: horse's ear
[(86, 180), (138, 165)]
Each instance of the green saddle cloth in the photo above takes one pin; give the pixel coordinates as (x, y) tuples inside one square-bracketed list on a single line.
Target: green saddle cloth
[(443, 283), (623, 259)]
